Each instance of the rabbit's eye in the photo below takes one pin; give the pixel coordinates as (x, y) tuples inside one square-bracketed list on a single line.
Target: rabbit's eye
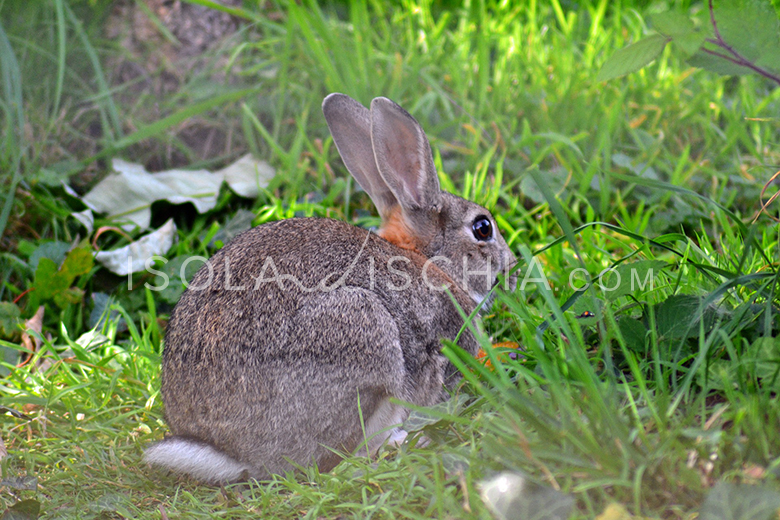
[(482, 228)]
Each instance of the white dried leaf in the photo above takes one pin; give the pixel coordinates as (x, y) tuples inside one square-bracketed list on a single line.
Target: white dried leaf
[(132, 257), (512, 496), (129, 194), (247, 175), (86, 218)]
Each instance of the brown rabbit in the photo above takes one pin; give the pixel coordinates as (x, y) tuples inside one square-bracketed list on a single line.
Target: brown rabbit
[(293, 323)]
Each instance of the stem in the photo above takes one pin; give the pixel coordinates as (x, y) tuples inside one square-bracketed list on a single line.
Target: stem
[(736, 58)]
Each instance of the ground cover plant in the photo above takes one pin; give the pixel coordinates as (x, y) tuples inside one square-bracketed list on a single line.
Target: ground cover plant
[(658, 399)]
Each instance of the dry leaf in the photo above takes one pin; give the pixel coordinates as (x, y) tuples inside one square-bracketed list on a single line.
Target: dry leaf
[(133, 257), (129, 194), (34, 324)]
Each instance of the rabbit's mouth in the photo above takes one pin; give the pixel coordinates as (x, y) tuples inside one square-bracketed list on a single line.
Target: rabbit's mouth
[(485, 299)]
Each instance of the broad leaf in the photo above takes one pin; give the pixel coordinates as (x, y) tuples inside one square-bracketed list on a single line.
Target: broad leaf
[(712, 63), (679, 27), (632, 58), (751, 28), (634, 333), (78, 262), (740, 502), (675, 316), (24, 510), (54, 283), (766, 359), (54, 251), (9, 319), (241, 221)]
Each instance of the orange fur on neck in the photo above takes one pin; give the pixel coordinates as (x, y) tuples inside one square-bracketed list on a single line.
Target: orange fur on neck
[(395, 230)]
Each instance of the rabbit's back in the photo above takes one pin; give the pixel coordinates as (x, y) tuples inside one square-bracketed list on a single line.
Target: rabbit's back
[(289, 325)]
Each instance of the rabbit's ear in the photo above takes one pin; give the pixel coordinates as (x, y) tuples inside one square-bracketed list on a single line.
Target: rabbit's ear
[(403, 157), (350, 125)]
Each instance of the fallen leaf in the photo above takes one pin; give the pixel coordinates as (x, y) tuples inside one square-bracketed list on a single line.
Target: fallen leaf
[(34, 324), (511, 496), (129, 194), (247, 175), (132, 258)]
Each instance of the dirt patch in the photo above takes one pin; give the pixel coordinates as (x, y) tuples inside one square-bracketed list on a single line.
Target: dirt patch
[(163, 45)]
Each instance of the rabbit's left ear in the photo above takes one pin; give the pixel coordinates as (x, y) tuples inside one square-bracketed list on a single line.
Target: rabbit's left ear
[(403, 156), (350, 125)]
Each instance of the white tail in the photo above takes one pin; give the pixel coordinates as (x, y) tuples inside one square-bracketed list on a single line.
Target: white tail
[(200, 461)]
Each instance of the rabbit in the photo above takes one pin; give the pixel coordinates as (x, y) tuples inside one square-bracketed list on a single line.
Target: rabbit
[(290, 342)]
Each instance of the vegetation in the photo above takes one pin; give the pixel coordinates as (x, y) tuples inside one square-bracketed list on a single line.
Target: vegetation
[(656, 400)]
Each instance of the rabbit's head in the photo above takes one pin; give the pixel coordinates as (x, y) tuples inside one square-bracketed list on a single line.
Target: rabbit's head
[(386, 151)]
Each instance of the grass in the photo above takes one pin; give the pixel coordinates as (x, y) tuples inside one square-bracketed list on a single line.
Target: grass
[(657, 402)]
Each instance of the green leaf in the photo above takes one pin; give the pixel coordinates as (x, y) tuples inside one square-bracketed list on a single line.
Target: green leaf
[(634, 333), (717, 65), (52, 283), (69, 296), (672, 23), (677, 317), (168, 283), (54, 251), (48, 281), (766, 359), (740, 502), (632, 58), (57, 173), (78, 262), (680, 28), (9, 319), (24, 510), (240, 222), (751, 28), (585, 306), (454, 463)]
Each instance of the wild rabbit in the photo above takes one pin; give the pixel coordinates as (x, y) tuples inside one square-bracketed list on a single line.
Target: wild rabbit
[(294, 324)]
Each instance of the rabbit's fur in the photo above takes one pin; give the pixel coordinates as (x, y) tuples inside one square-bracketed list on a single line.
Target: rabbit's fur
[(295, 322)]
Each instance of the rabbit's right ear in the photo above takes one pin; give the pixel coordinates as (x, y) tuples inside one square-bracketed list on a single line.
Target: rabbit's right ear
[(350, 125), (403, 157)]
